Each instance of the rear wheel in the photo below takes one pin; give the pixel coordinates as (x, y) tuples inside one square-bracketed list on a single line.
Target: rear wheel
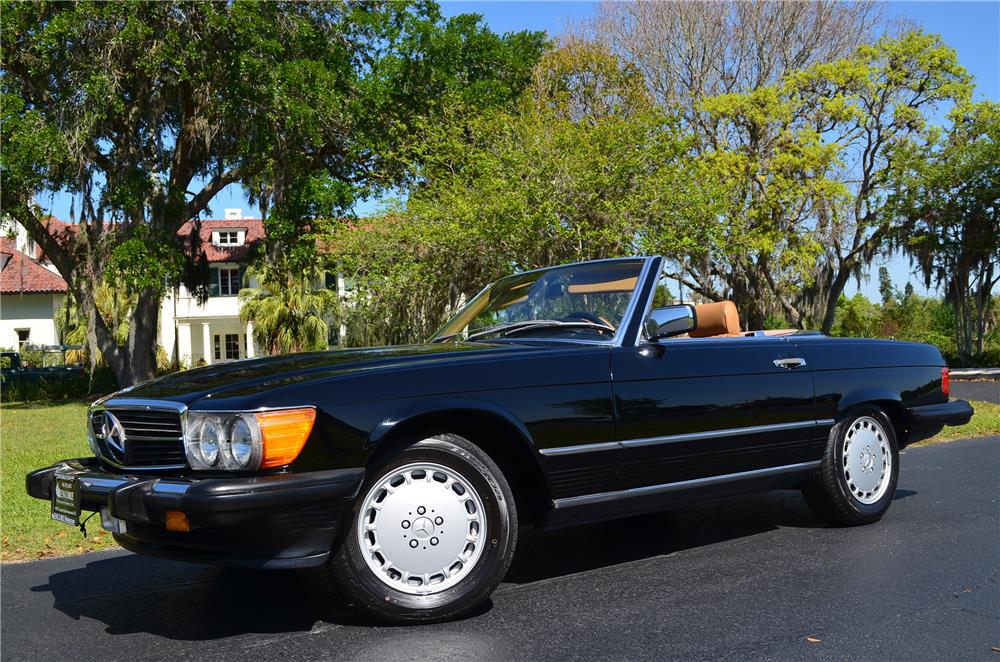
[(432, 534), (856, 482)]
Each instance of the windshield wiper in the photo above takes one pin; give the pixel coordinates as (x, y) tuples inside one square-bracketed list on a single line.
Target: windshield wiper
[(525, 325)]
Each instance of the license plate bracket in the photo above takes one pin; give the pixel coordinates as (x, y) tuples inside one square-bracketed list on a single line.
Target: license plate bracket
[(66, 499)]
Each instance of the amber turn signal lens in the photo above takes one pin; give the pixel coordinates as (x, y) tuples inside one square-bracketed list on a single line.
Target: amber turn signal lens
[(284, 433), (177, 521)]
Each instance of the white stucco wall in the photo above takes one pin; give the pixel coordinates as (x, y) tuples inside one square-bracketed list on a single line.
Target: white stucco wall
[(184, 319), (35, 312)]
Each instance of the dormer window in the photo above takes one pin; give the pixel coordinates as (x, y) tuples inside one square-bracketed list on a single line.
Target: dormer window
[(229, 237)]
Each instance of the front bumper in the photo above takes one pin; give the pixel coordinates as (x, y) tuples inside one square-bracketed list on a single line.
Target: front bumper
[(273, 521)]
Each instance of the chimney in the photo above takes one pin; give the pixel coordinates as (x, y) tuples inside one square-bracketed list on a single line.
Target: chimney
[(234, 214)]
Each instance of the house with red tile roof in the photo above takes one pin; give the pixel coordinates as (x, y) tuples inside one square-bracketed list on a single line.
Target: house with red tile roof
[(194, 332), (30, 294), (203, 333), (191, 331)]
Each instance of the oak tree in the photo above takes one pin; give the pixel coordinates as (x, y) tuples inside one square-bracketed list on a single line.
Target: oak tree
[(144, 112)]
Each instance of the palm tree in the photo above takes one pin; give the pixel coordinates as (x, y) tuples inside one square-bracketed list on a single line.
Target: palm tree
[(287, 310), (113, 305)]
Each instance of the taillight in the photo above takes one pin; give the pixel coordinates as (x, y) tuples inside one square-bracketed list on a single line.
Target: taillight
[(945, 381)]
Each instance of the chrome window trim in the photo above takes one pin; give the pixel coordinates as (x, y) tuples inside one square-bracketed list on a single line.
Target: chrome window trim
[(649, 490), (633, 303), (633, 258), (643, 442), (527, 340), (648, 303)]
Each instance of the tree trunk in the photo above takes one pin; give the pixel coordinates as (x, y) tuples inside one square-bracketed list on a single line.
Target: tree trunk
[(836, 289), (142, 338), (99, 336), (983, 300)]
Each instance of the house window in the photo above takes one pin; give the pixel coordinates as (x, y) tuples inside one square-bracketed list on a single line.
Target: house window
[(331, 282), (22, 337), (226, 281), (218, 348), (227, 238), (232, 345)]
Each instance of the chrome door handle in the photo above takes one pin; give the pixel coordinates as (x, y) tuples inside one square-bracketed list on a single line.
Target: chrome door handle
[(788, 364)]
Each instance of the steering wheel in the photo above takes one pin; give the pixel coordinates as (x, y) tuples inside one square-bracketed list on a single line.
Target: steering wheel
[(608, 327)]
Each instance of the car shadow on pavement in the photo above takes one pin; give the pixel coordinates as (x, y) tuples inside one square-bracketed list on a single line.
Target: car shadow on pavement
[(132, 594), (583, 548)]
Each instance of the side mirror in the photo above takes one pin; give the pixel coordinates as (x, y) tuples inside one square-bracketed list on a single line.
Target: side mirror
[(670, 321)]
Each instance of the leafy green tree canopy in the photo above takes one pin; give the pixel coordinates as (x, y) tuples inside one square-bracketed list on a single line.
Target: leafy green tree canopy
[(145, 111), (947, 198), (583, 168)]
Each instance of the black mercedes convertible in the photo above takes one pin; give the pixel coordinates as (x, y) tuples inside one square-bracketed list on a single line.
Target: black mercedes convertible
[(555, 396)]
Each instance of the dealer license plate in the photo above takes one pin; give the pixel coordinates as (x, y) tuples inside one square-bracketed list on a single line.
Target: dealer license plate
[(66, 499)]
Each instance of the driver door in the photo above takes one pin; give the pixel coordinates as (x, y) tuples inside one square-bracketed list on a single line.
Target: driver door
[(690, 408)]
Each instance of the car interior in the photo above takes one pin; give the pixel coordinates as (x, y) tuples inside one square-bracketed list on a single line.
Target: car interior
[(722, 320)]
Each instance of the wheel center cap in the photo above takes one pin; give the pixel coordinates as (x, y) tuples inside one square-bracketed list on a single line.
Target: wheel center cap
[(423, 527), (867, 459)]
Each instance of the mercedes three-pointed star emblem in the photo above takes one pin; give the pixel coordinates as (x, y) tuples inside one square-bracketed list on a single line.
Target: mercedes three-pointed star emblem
[(113, 434)]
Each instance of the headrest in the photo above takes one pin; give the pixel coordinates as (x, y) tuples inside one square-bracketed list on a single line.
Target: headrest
[(716, 319)]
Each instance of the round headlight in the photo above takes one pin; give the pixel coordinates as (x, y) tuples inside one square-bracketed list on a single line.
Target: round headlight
[(241, 442), (208, 442)]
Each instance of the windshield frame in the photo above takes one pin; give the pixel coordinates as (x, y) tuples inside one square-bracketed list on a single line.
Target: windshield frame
[(639, 302)]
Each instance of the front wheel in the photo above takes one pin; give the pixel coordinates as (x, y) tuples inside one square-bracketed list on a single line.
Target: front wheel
[(432, 534), (856, 482)]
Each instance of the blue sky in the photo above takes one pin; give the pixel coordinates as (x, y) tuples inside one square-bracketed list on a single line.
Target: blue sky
[(971, 28)]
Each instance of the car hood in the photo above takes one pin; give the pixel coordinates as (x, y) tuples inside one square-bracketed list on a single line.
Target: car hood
[(254, 376)]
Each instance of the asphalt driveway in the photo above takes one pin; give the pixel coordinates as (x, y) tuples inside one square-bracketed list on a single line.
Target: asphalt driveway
[(985, 390), (749, 577)]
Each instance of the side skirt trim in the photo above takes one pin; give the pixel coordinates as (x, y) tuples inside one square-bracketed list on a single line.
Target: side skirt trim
[(691, 436), (648, 490)]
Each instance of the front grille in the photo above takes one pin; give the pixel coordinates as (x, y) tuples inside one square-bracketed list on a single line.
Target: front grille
[(152, 437)]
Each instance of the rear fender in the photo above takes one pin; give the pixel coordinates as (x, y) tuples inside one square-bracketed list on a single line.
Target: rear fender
[(873, 395)]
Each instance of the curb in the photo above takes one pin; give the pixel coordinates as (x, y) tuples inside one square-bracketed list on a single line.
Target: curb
[(975, 373)]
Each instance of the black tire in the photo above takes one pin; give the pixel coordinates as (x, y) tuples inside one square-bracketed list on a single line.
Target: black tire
[(827, 491), (376, 596)]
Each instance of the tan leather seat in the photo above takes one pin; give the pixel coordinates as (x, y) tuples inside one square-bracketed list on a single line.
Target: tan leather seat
[(716, 319)]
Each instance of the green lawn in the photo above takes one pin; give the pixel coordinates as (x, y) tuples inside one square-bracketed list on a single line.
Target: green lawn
[(33, 436)]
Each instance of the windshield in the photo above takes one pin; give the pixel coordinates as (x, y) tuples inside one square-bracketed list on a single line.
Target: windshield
[(581, 301)]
